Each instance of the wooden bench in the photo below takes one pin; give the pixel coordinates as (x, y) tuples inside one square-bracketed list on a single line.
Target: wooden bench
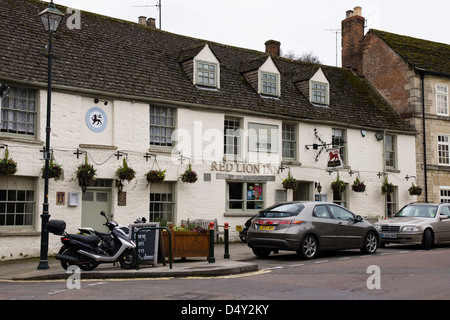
[(204, 223)]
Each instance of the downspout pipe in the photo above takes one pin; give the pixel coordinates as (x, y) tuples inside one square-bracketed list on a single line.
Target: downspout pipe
[(422, 78)]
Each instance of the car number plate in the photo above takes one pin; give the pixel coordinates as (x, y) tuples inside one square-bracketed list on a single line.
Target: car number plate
[(269, 228), (389, 235)]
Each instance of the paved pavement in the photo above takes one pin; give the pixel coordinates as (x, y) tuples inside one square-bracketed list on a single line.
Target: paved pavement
[(26, 269)]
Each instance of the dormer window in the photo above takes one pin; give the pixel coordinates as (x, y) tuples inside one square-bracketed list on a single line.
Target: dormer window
[(206, 74), (319, 92), (319, 89), (206, 69), (269, 84)]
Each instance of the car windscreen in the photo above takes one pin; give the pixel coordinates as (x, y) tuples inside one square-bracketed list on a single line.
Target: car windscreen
[(282, 210), (418, 211)]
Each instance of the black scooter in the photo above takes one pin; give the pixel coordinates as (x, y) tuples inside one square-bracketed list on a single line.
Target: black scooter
[(243, 233), (88, 251)]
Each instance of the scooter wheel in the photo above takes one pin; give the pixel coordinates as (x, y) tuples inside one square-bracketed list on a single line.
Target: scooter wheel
[(128, 259)]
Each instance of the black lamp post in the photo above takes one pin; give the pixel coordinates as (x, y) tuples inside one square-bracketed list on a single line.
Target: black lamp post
[(51, 19)]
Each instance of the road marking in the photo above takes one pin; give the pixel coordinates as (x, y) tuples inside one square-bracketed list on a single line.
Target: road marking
[(345, 258), (321, 261)]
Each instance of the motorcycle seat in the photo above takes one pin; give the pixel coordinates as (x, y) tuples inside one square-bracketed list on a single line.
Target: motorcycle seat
[(87, 239)]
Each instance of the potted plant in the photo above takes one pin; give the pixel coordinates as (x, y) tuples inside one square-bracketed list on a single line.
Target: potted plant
[(125, 172), (358, 185), (85, 174), (155, 176), (338, 185), (387, 187), (415, 190), (290, 182), (8, 167), (188, 240), (189, 175), (55, 170)]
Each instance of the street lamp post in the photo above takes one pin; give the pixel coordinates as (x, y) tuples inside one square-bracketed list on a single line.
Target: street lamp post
[(51, 19)]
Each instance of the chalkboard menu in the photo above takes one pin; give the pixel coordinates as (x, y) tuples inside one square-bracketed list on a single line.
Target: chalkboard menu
[(146, 242)]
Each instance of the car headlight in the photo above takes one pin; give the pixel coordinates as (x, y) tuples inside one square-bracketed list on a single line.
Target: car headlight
[(410, 228)]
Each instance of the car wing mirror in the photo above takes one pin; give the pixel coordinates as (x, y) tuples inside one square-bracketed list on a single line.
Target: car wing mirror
[(443, 216), (359, 218)]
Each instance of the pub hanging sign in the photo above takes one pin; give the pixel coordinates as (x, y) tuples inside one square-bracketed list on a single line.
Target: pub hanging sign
[(334, 159)]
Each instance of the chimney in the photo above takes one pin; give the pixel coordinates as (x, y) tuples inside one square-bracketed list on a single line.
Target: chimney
[(142, 20), (150, 22), (273, 47), (352, 40)]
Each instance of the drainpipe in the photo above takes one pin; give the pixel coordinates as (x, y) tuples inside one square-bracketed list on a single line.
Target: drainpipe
[(422, 77)]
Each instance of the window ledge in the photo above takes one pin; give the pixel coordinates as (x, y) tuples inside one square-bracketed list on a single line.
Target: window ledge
[(248, 214), (20, 233)]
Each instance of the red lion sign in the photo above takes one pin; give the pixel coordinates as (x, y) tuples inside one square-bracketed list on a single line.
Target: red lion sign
[(334, 158)]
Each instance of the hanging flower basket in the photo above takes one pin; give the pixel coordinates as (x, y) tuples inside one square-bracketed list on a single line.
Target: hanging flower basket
[(290, 182), (338, 185), (155, 176), (189, 176), (85, 173), (125, 172), (387, 187), (55, 170), (358, 185), (8, 167), (415, 190)]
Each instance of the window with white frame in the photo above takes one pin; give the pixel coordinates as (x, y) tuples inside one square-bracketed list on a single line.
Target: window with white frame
[(162, 125), (245, 196), (19, 112), (232, 137), (444, 149), (17, 203), (391, 203), (445, 194), (338, 142), (442, 100), (269, 84), (390, 151), (319, 92), (206, 74), (289, 141), (162, 202)]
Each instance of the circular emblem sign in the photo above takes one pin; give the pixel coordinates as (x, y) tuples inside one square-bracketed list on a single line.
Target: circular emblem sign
[(96, 119)]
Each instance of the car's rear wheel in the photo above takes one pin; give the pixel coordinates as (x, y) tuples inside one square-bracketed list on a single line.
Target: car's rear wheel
[(261, 252), (309, 247), (370, 244)]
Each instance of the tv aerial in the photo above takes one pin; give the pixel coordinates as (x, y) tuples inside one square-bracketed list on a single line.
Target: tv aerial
[(158, 6)]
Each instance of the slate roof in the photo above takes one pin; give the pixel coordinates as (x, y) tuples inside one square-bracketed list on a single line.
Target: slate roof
[(121, 57), (426, 55)]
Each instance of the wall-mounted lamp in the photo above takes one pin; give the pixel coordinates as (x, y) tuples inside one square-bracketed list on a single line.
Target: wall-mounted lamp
[(409, 177), (318, 186), (379, 135), (4, 89), (119, 185)]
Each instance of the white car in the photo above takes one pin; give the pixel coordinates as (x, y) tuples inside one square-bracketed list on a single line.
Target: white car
[(417, 223)]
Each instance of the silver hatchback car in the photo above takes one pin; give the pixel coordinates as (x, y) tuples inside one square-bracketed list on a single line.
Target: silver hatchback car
[(308, 227)]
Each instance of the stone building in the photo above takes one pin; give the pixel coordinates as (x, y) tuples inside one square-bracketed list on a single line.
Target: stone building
[(414, 76), (241, 119)]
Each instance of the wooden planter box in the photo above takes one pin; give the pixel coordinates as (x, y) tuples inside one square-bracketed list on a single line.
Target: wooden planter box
[(187, 244)]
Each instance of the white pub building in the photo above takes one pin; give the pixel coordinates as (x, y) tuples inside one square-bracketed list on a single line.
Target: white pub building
[(243, 120)]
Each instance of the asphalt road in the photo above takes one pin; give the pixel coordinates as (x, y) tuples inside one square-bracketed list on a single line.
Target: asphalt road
[(395, 272)]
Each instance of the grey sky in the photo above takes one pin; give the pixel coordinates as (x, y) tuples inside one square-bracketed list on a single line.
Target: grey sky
[(301, 26)]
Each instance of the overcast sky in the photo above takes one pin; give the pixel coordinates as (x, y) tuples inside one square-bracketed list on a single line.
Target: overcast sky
[(301, 26)]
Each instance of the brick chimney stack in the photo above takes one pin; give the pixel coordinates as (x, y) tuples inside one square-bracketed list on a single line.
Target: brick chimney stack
[(273, 47), (352, 40)]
